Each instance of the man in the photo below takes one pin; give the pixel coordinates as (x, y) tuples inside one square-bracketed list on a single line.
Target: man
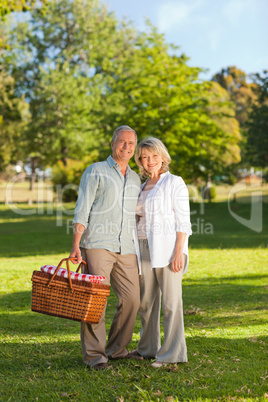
[(104, 222)]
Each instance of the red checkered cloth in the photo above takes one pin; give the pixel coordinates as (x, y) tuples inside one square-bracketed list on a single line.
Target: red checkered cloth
[(50, 269)]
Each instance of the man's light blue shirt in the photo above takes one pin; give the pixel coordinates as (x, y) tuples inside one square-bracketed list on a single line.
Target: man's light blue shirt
[(106, 206)]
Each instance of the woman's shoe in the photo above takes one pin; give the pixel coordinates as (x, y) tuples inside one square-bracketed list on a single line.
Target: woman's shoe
[(158, 364)]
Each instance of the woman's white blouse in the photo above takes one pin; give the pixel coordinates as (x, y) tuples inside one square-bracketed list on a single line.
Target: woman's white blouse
[(167, 211)]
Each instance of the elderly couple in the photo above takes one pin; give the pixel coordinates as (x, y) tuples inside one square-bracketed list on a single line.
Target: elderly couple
[(137, 237)]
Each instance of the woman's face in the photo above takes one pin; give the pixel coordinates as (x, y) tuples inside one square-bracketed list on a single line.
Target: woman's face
[(151, 161)]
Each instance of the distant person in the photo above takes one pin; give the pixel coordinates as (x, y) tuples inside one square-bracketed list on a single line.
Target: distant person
[(163, 229), (105, 216)]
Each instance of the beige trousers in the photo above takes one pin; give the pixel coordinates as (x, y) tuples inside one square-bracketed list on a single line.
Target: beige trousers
[(153, 283), (121, 272)]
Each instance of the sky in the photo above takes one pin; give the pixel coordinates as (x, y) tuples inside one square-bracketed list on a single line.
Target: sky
[(214, 34)]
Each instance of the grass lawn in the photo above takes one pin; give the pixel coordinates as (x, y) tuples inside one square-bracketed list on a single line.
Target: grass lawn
[(225, 306), (19, 192)]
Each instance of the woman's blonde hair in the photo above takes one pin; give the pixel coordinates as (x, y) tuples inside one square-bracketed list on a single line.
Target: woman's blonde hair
[(153, 145)]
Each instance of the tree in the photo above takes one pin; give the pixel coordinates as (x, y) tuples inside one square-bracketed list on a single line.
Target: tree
[(13, 118), (242, 93), (163, 97), (222, 111), (61, 126), (64, 61), (257, 144), (84, 73), (9, 6)]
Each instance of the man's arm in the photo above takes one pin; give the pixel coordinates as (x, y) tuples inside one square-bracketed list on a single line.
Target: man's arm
[(78, 229), (86, 195)]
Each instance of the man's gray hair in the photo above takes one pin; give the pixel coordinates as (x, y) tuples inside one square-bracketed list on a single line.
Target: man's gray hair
[(123, 128)]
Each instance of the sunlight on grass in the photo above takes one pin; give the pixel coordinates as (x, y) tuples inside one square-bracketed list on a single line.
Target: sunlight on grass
[(225, 312)]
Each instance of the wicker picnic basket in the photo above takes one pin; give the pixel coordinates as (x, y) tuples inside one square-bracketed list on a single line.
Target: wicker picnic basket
[(68, 298)]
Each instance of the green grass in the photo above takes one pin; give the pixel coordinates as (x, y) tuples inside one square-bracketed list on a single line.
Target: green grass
[(225, 306), (19, 192)]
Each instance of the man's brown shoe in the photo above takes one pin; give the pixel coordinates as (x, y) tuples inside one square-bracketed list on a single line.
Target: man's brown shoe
[(134, 355), (101, 366)]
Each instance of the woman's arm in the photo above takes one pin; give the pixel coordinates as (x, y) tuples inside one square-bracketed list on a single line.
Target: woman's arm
[(181, 206)]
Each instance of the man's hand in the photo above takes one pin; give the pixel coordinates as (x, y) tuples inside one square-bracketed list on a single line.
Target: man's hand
[(76, 252)]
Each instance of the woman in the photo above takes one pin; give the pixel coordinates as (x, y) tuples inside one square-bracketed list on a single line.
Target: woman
[(163, 228)]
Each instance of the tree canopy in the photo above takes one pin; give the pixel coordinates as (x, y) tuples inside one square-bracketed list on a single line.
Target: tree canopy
[(14, 115), (83, 73), (242, 92), (257, 146), (9, 6)]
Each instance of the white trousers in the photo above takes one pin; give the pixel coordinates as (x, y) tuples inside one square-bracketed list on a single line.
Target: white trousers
[(153, 283)]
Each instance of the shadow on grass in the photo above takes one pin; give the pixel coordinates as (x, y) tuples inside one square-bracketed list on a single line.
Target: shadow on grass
[(210, 302), (40, 235), (220, 302), (41, 355), (218, 368), (214, 227)]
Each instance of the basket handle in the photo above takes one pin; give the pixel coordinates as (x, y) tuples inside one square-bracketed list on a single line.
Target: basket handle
[(79, 266), (68, 269)]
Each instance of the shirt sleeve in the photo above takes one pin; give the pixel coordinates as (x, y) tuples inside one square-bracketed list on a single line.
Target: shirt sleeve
[(181, 206), (86, 195)]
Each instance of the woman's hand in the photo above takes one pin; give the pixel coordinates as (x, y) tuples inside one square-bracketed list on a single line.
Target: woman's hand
[(177, 261)]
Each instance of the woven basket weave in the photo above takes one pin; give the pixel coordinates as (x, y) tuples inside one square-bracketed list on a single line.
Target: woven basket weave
[(68, 298)]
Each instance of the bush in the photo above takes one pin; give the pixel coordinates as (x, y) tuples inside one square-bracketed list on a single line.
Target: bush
[(66, 179), (209, 193), (265, 176), (194, 193), (213, 192)]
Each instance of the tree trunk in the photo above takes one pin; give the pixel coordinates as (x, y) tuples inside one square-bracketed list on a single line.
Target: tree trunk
[(64, 155), (33, 174)]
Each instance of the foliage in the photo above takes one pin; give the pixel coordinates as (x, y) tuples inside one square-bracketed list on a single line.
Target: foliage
[(61, 126), (242, 93), (257, 145), (213, 192), (84, 73), (222, 110), (8, 6), (13, 119), (66, 178), (63, 63), (265, 175)]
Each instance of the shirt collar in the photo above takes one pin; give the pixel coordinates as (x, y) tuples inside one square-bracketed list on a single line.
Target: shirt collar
[(111, 162), (164, 174)]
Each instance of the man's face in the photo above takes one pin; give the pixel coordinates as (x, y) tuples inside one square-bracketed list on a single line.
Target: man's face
[(124, 146)]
